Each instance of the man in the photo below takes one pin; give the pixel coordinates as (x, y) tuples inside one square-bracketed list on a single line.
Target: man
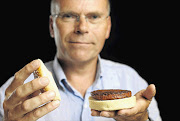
[(80, 28)]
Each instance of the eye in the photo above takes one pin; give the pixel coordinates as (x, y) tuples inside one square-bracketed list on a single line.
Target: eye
[(67, 16), (93, 17)]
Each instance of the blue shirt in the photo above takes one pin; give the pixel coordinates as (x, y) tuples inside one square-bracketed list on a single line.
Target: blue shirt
[(73, 107)]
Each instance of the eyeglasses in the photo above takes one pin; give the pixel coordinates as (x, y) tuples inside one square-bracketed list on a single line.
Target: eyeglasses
[(92, 18)]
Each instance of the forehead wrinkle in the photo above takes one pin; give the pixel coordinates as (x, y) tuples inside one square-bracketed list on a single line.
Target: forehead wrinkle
[(55, 5), (83, 7)]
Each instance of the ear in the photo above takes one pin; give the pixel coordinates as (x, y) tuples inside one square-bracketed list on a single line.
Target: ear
[(108, 27), (51, 29)]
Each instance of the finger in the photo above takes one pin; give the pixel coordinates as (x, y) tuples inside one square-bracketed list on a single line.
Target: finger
[(41, 111), (21, 76), (31, 104), (137, 117), (95, 113), (36, 93), (25, 90), (141, 105), (143, 99), (128, 112), (150, 92), (108, 114)]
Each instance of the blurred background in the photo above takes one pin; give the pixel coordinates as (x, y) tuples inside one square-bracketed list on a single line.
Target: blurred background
[(139, 38)]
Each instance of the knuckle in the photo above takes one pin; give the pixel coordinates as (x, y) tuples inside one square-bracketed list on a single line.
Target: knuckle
[(9, 115), (18, 92), (27, 68), (49, 107), (46, 97), (25, 106), (5, 106), (37, 114), (16, 76), (32, 85), (42, 98), (6, 93)]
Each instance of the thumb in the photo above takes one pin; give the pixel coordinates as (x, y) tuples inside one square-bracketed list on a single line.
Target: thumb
[(150, 92)]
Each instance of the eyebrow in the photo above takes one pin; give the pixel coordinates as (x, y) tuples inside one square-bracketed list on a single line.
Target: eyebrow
[(95, 13), (89, 13), (69, 12)]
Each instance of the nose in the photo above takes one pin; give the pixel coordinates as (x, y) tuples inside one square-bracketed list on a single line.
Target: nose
[(82, 26)]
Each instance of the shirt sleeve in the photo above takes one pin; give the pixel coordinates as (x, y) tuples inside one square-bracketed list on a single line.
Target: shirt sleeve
[(2, 96), (1, 108), (154, 113)]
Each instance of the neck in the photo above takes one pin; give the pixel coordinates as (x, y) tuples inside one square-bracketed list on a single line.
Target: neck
[(80, 75)]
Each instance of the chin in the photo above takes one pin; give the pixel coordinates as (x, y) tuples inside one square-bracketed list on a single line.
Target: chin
[(77, 56), (83, 58)]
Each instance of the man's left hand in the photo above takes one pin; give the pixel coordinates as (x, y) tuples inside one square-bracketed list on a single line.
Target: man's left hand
[(137, 113)]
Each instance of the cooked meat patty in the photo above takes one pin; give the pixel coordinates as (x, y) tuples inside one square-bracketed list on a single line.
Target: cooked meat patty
[(110, 94)]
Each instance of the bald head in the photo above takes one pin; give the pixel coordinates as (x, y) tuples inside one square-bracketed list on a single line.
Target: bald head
[(55, 7)]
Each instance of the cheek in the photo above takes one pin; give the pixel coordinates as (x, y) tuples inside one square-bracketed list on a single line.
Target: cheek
[(60, 34), (62, 31), (100, 37)]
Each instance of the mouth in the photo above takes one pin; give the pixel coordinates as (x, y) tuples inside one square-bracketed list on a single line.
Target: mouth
[(80, 43)]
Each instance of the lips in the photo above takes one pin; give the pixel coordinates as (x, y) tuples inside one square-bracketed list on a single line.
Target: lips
[(74, 42), (79, 40)]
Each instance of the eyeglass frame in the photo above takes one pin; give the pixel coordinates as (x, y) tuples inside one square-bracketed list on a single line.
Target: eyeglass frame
[(60, 15)]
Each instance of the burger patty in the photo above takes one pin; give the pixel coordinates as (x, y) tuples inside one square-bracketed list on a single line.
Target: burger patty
[(110, 94)]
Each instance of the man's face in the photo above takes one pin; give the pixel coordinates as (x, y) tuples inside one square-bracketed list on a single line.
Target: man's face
[(80, 41)]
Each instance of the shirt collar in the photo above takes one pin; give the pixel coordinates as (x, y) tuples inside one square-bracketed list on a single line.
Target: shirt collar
[(61, 77), (59, 73), (99, 68)]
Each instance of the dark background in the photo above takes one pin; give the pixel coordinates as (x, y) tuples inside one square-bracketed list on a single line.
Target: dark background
[(140, 38)]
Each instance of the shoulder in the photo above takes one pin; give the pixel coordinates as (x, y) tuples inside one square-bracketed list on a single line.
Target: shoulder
[(116, 66), (49, 65), (2, 95), (122, 76)]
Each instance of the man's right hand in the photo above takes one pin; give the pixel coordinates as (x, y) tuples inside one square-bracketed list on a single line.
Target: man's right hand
[(24, 102)]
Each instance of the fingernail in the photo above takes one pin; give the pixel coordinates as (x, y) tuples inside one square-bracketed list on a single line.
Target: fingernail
[(120, 114), (104, 114), (35, 63), (55, 103), (51, 94), (44, 81), (107, 115)]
